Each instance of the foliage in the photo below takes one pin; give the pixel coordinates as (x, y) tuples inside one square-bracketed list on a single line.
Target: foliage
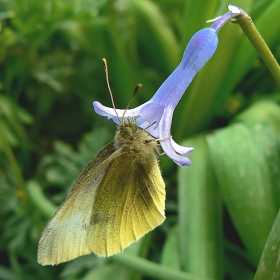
[(222, 218)]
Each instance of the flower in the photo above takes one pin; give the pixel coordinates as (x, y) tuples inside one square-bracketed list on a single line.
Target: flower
[(159, 109)]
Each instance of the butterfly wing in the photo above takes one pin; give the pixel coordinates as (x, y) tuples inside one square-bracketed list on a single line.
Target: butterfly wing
[(113, 203), (64, 237), (134, 192)]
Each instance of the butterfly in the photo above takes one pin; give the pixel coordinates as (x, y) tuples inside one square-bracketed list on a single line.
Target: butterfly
[(118, 198)]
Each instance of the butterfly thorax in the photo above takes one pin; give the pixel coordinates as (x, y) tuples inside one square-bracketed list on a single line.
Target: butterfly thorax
[(134, 139)]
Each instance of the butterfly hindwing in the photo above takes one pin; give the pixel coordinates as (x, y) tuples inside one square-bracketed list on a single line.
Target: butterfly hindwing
[(134, 206)]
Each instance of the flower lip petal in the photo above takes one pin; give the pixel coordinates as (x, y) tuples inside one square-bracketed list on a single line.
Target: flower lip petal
[(118, 113), (171, 148), (181, 149), (168, 149), (102, 110)]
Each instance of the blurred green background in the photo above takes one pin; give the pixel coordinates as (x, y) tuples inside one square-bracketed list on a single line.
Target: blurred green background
[(221, 212)]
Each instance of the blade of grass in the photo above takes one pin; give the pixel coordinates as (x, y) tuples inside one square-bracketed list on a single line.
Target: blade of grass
[(39, 199), (200, 215), (194, 17), (154, 29)]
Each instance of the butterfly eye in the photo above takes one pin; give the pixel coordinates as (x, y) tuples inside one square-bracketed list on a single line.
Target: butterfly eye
[(149, 141)]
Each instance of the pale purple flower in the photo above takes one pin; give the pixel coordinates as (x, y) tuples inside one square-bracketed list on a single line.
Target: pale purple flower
[(159, 109)]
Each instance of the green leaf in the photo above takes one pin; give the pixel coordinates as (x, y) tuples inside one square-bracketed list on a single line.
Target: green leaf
[(269, 267), (264, 110), (242, 156), (170, 256), (236, 264), (200, 215)]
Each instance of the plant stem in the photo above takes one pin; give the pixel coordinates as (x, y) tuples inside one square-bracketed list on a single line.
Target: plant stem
[(259, 44), (152, 269)]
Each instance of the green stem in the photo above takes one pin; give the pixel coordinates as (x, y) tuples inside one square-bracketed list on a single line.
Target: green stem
[(259, 44), (151, 269)]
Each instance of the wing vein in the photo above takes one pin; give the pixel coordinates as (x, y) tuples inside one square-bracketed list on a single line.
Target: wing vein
[(148, 206)]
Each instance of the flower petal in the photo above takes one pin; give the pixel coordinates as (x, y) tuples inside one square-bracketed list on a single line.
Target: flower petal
[(168, 149), (152, 112), (111, 113), (199, 50), (168, 144), (181, 149)]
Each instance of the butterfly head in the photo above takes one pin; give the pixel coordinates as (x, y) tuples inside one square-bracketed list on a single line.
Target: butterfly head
[(133, 138)]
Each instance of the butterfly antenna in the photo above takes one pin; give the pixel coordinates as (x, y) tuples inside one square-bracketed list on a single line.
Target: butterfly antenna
[(136, 90), (109, 87)]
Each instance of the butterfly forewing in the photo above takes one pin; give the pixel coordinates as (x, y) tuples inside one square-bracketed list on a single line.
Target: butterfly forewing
[(64, 237)]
